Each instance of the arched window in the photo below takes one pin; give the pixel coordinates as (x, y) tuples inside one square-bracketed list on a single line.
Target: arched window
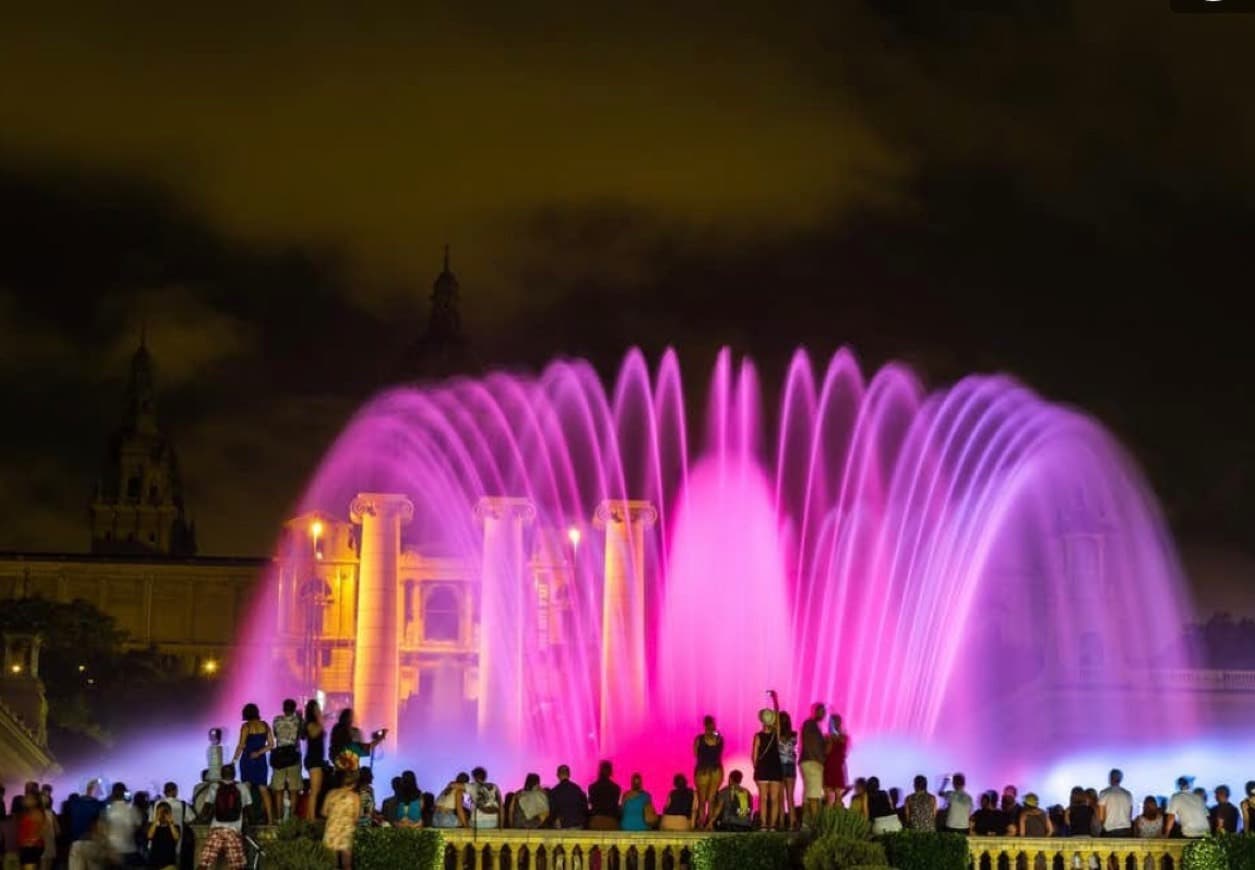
[(441, 619), (314, 595)]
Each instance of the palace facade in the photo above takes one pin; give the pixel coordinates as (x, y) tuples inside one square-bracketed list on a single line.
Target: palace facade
[(142, 569)]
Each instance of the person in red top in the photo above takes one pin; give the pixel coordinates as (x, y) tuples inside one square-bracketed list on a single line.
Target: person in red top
[(30, 832), (836, 778)]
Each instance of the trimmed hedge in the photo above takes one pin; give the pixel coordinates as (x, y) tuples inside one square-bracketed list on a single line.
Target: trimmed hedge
[(833, 852), (1208, 854), (298, 853), (760, 850), (837, 821), (300, 829), (389, 848), (1223, 852), (926, 850)]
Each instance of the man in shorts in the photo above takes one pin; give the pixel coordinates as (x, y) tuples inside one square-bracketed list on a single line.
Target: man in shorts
[(285, 760), (814, 750)]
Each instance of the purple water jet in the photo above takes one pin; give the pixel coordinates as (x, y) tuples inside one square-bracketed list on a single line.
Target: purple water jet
[(944, 568)]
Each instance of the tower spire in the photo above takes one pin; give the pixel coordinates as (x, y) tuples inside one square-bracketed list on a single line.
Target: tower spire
[(446, 256)]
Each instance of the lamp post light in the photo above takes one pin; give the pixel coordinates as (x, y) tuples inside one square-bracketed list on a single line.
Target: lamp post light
[(315, 533)]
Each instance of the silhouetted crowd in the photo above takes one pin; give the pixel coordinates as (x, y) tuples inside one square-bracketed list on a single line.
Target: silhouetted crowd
[(292, 768)]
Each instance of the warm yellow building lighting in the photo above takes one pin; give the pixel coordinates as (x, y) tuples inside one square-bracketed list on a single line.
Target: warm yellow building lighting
[(574, 535), (210, 667), (17, 669), (315, 528)]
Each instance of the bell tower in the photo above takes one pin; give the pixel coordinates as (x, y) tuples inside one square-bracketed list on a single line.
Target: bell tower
[(443, 349), (138, 505)]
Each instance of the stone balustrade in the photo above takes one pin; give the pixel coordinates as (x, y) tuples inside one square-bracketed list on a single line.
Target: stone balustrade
[(1050, 853), (572, 850), (512, 849)]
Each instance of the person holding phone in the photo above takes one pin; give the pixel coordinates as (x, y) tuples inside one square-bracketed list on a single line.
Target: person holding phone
[(768, 771)]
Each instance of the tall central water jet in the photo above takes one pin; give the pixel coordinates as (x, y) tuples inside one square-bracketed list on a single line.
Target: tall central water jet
[(939, 567)]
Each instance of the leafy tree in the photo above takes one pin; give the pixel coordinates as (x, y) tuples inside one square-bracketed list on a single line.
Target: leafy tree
[(96, 688)]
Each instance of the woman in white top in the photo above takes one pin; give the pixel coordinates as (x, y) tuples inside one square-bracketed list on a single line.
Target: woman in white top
[(1150, 822)]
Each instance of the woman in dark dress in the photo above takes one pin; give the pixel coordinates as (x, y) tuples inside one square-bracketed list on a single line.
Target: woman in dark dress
[(768, 771), (256, 741), (315, 756), (836, 778)]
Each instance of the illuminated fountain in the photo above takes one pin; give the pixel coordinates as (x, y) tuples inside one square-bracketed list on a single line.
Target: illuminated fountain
[(950, 570)]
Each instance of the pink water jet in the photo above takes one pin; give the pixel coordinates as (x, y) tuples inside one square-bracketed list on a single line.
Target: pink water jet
[(949, 569)]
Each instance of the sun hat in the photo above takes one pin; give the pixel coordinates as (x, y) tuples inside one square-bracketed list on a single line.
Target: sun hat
[(767, 716)]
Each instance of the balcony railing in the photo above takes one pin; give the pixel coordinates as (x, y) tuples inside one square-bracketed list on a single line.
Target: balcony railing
[(514, 849), (663, 850), (1051, 853), (571, 850)]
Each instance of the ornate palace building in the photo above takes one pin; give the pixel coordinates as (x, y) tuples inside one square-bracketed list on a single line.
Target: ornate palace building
[(143, 570)]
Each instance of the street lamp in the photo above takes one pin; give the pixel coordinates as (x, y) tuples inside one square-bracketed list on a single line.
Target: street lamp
[(573, 535), (315, 532)]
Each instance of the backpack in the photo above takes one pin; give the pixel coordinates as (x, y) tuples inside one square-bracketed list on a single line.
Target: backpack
[(736, 809), (487, 799), (227, 804)]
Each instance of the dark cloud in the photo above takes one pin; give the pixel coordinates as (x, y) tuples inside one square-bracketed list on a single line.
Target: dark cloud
[(1059, 190)]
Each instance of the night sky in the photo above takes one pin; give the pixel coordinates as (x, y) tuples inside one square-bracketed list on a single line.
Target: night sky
[(1064, 191)]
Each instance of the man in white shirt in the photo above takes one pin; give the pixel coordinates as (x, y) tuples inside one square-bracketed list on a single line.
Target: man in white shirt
[(1115, 807), (180, 810), (226, 824), (122, 820), (1187, 810), (958, 805), (285, 759)]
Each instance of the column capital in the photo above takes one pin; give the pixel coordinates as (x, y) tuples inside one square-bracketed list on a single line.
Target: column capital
[(499, 507), (630, 511), (375, 504)]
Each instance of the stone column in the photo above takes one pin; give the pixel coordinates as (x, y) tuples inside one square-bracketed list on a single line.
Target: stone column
[(376, 650), (502, 617), (623, 671)]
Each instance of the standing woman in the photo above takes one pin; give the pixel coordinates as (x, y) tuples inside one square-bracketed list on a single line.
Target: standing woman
[(315, 756), (30, 833), (255, 742), (52, 830), (708, 776), (342, 808), (1248, 808), (342, 733), (788, 768), (768, 772), (835, 777)]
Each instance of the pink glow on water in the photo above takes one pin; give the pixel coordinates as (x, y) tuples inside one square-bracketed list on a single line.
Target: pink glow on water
[(726, 574), (941, 568)]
